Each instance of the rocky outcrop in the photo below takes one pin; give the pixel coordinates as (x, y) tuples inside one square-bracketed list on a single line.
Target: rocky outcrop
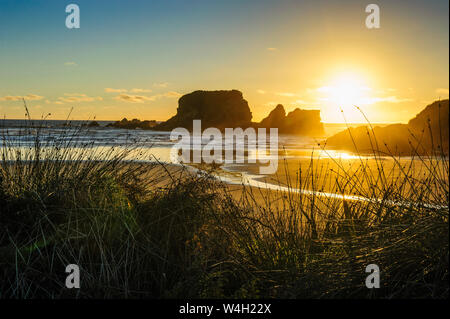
[(91, 124), (426, 133), (434, 119), (298, 122), (276, 118), (220, 109), (133, 124)]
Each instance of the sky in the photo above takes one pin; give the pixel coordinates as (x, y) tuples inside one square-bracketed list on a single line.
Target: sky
[(135, 58)]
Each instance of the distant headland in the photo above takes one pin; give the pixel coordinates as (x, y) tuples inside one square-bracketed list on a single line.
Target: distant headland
[(427, 131)]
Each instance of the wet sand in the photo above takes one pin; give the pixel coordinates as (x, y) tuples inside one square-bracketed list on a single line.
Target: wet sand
[(349, 177)]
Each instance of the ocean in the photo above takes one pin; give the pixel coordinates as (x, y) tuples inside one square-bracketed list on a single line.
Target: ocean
[(19, 139), (157, 145)]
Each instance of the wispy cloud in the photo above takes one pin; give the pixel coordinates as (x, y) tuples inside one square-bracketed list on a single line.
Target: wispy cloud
[(261, 91), (70, 63), (134, 98), (304, 102), (172, 94), (136, 90), (29, 97), (111, 90), (272, 49), (337, 89), (324, 89), (78, 97), (357, 95), (388, 99), (442, 91), (161, 84), (145, 98), (287, 94), (271, 103)]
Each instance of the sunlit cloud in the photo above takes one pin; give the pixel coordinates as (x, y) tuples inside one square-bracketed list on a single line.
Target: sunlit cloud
[(111, 90), (261, 91), (271, 103), (272, 49), (172, 94), (328, 89), (33, 97), (286, 94), (134, 98), (384, 91), (348, 91), (134, 90), (29, 97), (145, 98), (442, 91), (336, 95), (78, 97), (388, 99), (140, 90), (161, 85), (305, 102)]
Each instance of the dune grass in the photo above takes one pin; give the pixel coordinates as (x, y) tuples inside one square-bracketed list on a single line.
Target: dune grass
[(191, 237)]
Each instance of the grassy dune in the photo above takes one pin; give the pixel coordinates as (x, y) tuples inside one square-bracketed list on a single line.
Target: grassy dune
[(155, 231)]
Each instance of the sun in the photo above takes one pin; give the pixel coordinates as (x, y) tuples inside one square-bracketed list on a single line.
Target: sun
[(343, 93), (348, 90)]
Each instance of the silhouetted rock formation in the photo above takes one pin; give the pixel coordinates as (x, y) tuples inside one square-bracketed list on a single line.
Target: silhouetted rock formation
[(90, 124), (93, 124), (298, 122), (433, 120), (133, 124), (220, 109), (425, 133), (276, 118)]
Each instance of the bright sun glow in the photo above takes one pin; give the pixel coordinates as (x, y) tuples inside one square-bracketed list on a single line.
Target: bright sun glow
[(344, 92), (348, 91)]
